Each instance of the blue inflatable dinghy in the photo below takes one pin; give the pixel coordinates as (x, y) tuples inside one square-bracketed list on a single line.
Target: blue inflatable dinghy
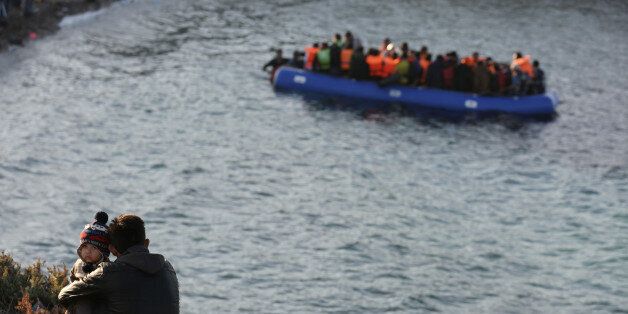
[(413, 99)]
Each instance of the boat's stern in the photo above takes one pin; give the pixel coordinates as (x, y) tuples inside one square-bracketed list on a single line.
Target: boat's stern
[(553, 96)]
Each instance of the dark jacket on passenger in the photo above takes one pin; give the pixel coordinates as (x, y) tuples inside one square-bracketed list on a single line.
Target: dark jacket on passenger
[(538, 83), (358, 68), (435, 74), (334, 54), (414, 74), (463, 78), (481, 79), (137, 282)]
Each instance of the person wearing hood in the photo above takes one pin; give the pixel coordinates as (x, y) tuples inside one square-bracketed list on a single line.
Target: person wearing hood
[(136, 282)]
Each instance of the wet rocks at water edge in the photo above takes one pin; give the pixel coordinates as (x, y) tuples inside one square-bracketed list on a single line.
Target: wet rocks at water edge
[(24, 20)]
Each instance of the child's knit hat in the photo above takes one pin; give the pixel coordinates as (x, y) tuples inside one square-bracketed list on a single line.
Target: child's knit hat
[(97, 234)]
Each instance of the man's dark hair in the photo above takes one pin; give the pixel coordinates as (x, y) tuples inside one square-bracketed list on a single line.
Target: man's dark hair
[(536, 63), (126, 231)]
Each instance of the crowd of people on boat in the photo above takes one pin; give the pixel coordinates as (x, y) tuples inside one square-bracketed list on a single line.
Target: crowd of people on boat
[(398, 64)]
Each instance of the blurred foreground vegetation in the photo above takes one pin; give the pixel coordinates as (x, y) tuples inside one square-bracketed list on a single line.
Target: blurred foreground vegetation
[(30, 289)]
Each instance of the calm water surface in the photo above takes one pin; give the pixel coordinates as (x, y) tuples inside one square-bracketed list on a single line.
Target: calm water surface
[(272, 203)]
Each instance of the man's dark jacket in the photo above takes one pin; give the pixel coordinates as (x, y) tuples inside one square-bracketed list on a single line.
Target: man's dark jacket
[(137, 282)]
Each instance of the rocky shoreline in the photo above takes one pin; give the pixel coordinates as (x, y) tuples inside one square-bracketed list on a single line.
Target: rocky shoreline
[(18, 29)]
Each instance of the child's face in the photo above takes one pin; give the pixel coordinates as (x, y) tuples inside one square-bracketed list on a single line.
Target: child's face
[(89, 253)]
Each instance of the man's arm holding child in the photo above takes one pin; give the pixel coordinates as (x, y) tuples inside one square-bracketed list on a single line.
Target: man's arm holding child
[(87, 287)]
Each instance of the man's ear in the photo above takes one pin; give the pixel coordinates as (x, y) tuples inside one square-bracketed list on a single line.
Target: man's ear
[(113, 250), (146, 243)]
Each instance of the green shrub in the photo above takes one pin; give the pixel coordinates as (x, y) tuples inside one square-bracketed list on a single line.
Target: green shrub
[(23, 288)]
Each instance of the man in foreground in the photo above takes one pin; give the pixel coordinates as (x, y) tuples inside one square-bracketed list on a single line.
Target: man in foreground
[(136, 282)]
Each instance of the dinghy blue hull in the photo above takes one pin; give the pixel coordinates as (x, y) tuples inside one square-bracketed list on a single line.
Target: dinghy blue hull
[(413, 99)]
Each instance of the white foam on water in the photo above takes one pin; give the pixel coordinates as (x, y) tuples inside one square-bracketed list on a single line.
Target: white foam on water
[(80, 18)]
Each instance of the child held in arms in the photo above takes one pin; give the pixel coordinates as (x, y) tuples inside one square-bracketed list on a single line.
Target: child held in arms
[(93, 250)]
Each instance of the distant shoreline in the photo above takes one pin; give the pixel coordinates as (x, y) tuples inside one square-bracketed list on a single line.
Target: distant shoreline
[(45, 21)]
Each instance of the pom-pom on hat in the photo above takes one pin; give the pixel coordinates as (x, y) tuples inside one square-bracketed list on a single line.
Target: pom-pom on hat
[(97, 234)]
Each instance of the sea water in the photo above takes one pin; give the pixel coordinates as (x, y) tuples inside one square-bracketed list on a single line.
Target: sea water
[(272, 203)]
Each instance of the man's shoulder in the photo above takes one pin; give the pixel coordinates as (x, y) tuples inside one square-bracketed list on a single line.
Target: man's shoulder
[(168, 265), (111, 267)]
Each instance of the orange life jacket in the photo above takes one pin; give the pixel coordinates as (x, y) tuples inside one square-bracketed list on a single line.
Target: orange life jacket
[(491, 68), (424, 63), (310, 55), (376, 65), (469, 61), (345, 59), (389, 66), (524, 65)]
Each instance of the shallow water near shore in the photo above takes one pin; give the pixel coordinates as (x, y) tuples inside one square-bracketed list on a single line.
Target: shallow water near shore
[(270, 202)]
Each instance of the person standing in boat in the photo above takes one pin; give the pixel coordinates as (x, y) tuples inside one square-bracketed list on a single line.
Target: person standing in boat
[(449, 68), (310, 55), (517, 82), (523, 63), (334, 55), (386, 47), (435, 73), (275, 63), (425, 59), (463, 77), (415, 71), (502, 74), (375, 63), (352, 41), (390, 63), (345, 57), (538, 82), (358, 68), (399, 74), (472, 61), (322, 61), (481, 78), (297, 60)]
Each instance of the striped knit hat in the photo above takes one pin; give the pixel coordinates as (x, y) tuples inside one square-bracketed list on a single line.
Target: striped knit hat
[(97, 234)]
